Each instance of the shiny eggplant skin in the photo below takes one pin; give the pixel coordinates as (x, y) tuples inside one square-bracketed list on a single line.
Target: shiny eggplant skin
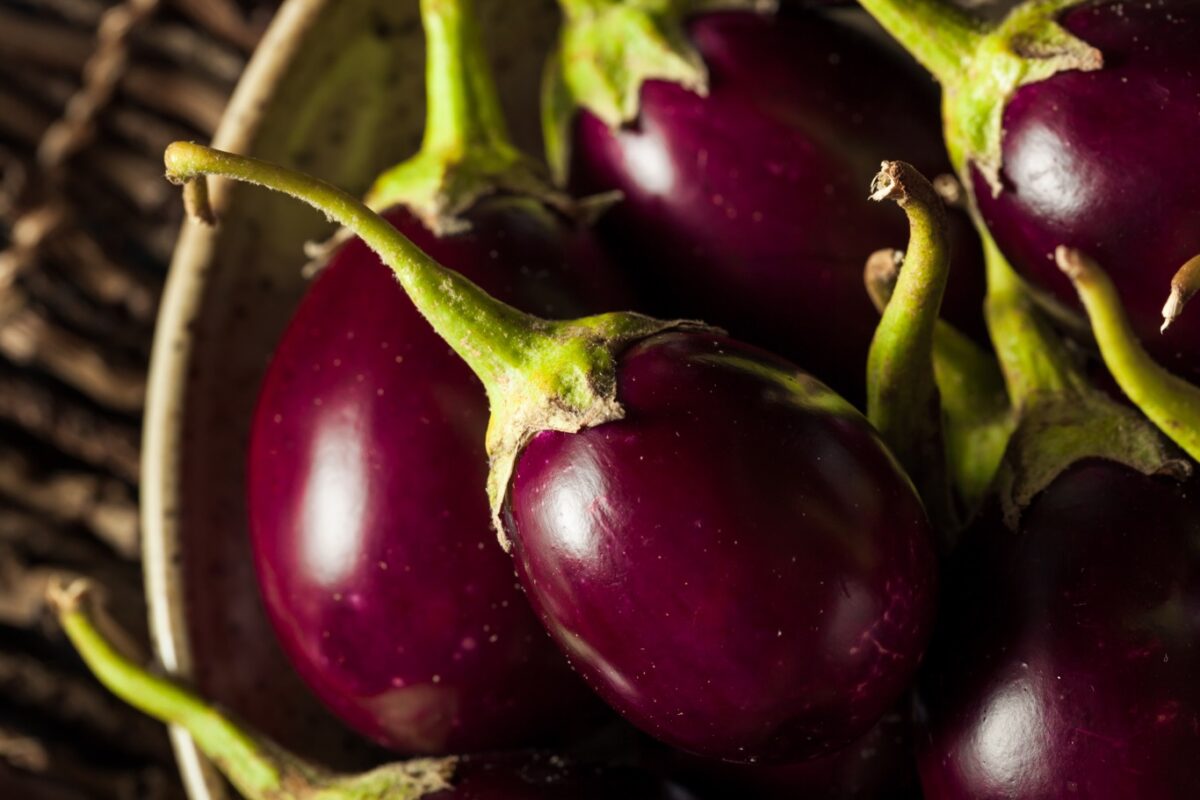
[(738, 566), (371, 530), (1106, 162), (747, 207), (548, 777), (880, 765), (1065, 658)]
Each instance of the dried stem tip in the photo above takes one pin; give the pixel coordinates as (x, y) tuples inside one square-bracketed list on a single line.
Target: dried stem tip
[(1184, 286)]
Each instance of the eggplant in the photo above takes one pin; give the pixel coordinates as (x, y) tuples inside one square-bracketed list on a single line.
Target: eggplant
[(368, 512), (721, 482), (741, 182), (1083, 141), (1066, 652)]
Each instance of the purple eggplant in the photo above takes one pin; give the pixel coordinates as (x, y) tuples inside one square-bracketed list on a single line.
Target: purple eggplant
[(744, 205), (737, 566), (878, 766), (262, 770), (721, 544), (1067, 643), (368, 512), (1066, 655), (1088, 143)]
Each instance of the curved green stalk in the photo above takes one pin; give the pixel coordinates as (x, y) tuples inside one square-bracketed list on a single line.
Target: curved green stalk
[(258, 769), (902, 395), (539, 375), (495, 339), (1035, 363), (976, 418), (1170, 402), (1061, 418), (981, 66), (466, 151)]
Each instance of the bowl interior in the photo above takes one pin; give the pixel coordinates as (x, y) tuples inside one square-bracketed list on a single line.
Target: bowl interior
[(335, 89)]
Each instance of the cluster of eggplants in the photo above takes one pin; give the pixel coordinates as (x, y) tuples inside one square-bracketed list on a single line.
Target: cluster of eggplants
[(1064, 659), (1103, 161), (369, 522), (744, 206), (736, 563)]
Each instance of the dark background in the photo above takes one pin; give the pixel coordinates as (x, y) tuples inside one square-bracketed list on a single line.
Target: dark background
[(91, 91)]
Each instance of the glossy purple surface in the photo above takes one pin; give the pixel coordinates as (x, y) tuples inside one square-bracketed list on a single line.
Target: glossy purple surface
[(880, 765), (747, 208), (738, 566), (543, 777), (1065, 661), (1107, 162), (370, 524)]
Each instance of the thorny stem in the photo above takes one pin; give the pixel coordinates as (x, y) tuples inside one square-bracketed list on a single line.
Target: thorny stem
[(1170, 402), (259, 769), (902, 396)]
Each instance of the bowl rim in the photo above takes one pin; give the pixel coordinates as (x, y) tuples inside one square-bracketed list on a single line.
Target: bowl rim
[(171, 356)]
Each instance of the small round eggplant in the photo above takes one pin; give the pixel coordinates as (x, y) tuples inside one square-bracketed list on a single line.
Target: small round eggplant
[(369, 516), (1105, 161), (744, 206), (738, 566), (1085, 140), (1065, 658), (368, 513)]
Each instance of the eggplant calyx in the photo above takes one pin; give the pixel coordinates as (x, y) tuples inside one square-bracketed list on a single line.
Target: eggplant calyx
[(439, 187), (1061, 418), (981, 66), (607, 49), (1028, 46), (567, 382), (466, 152), (1055, 434)]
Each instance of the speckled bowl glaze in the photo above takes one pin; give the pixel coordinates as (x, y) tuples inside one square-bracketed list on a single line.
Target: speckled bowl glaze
[(335, 89)]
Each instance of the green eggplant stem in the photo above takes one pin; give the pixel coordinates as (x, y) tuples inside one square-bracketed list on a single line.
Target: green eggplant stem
[(902, 394), (258, 768), (1169, 401)]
